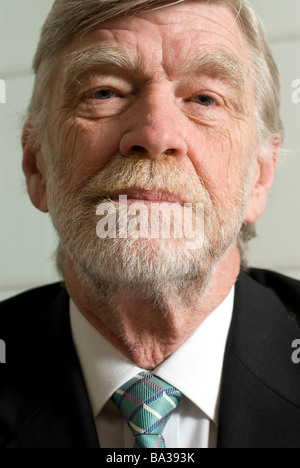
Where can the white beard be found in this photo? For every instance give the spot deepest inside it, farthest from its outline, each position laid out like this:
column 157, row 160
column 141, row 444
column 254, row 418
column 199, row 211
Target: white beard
column 152, row 268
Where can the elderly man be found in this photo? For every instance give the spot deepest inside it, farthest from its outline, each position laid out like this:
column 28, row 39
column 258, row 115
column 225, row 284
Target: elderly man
column 148, row 116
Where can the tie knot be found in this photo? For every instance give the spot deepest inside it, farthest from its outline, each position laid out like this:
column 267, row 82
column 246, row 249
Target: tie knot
column 147, row 403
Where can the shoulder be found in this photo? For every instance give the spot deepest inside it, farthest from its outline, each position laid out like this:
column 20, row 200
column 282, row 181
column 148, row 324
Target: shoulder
column 41, row 384
column 286, row 290
column 31, row 300
column 27, row 318
column 28, row 297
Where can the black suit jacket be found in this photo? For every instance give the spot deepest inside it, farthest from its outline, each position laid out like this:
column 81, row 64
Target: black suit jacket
column 43, row 400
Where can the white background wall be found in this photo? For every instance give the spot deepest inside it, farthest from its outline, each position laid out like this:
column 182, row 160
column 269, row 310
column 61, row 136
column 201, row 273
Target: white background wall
column 278, row 244
column 27, row 239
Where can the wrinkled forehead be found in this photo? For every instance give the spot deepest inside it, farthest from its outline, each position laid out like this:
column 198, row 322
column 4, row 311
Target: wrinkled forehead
column 173, row 31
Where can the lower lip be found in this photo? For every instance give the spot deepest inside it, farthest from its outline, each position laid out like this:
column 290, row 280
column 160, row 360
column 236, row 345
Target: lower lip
column 148, row 202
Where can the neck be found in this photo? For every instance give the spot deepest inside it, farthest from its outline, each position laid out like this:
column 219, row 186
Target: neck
column 146, row 331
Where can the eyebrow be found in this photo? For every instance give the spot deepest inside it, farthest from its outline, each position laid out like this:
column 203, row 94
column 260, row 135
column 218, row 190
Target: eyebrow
column 102, row 56
column 222, row 65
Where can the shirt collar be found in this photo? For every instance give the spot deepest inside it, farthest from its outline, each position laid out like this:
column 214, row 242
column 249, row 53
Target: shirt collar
column 195, row 368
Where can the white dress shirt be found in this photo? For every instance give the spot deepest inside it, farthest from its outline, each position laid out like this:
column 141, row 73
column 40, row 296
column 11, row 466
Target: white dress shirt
column 195, row 369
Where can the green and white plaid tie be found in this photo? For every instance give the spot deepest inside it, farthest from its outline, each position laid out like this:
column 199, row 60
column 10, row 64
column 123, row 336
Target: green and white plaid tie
column 147, row 403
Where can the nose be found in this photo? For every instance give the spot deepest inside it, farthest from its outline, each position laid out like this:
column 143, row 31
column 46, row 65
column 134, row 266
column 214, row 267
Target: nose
column 154, row 128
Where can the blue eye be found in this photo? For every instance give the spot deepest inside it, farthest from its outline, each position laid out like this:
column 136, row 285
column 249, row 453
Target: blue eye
column 104, row 94
column 204, row 100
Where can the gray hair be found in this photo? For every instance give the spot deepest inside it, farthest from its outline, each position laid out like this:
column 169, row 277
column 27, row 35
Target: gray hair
column 72, row 18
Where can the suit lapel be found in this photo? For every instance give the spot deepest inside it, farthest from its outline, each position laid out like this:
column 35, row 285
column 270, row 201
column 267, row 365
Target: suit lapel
column 260, row 394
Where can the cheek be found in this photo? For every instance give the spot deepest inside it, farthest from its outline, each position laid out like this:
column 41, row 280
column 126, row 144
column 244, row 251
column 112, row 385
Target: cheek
column 221, row 158
column 83, row 148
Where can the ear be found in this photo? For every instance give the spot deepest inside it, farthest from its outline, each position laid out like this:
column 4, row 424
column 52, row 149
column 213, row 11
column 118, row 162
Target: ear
column 263, row 180
column 35, row 171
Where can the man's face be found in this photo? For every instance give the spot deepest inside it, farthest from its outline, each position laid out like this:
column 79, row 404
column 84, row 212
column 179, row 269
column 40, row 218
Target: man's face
column 160, row 101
